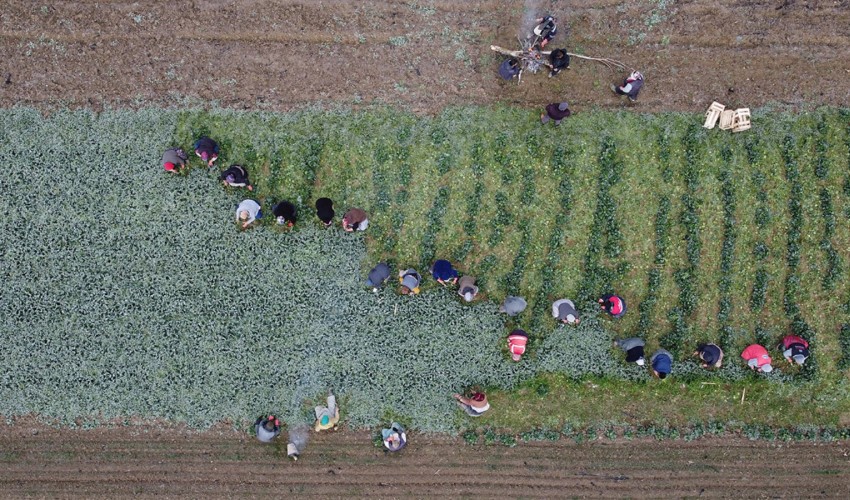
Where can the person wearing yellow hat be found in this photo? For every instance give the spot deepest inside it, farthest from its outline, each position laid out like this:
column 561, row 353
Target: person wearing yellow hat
column 327, row 416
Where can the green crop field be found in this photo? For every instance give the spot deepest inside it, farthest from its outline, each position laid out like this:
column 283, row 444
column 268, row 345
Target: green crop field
column 131, row 292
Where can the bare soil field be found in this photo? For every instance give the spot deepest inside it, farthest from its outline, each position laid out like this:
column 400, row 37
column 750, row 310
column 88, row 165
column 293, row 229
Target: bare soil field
column 147, row 462
column 423, row 55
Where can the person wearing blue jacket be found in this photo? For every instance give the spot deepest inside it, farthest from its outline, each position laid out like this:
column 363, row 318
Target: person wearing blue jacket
column 443, row 272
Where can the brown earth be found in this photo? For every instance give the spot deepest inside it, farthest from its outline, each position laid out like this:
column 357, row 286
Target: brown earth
column 147, row 462
column 424, row 55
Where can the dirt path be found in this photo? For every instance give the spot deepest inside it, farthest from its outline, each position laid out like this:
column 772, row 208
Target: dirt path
column 265, row 54
column 153, row 462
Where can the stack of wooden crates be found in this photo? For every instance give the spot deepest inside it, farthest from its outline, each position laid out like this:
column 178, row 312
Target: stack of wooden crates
column 737, row 120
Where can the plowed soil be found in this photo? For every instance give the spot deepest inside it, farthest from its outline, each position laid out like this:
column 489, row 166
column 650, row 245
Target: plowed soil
column 423, row 55
column 147, row 462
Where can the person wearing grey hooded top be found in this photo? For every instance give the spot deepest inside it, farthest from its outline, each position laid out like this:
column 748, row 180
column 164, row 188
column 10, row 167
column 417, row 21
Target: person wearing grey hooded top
column 513, row 305
column 378, row 275
column 267, row 428
column 634, row 349
column 565, row 311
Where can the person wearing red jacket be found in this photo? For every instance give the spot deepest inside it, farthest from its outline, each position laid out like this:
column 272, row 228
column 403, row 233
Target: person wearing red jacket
column 757, row 358
column 516, row 343
column 795, row 349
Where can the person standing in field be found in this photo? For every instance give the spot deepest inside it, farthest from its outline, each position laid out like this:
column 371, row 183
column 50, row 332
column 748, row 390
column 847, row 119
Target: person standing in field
column 443, row 272
column 207, row 150
column 710, row 354
column 661, row 363
column 631, row 86
column 409, row 280
column 757, row 358
column 174, row 160
column 394, row 438
column 475, row 405
column 795, row 349
column 247, row 212
column 613, row 305
column 633, row 348
column 378, row 276
column 517, row 341
column 545, row 30
column 555, row 111
column 327, row 416
column 236, row 176
column 267, row 428
column 285, row 213
column 467, row 289
column 513, row 305
column 325, row 211
column 565, row 311
column 355, row 219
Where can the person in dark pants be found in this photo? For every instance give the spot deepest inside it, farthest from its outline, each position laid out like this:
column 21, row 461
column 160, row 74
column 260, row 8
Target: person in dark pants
column 710, row 354
column 378, row 276
column 443, row 272
column 207, row 149
column 795, row 349
column 509, row 69
column 285, row 213
column 613, row 305
column 633, row 348
column 325, row 211
column 236, row 176
column 545, row 30
column 559, row 60
column 555, row 111
column 631, row 86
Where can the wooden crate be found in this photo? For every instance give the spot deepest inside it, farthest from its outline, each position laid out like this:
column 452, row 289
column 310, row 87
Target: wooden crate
column 713, row 114
column 741, row 120
column 726, row 119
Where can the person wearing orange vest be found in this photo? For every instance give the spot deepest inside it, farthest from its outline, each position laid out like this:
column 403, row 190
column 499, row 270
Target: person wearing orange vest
column 516, row 343
column 795, row 349
column 757, row 358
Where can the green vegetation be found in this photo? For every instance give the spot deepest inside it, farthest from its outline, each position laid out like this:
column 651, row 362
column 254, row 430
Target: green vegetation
column 144, row 298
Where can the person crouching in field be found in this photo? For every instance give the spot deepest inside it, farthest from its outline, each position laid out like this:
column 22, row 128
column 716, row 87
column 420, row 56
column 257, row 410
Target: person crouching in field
column 661, row 363
column 325, row 211
column 710, row 354
column 795, row 349
column 174, row 160
column 466, row 288
column 513, row 305
column 475, row 405
column 631, row 86
column 559, row 60
column 443, row 272
column 247, row 212
column 555, row 111
column 236, row 176
column 284, row 213
column 613, row 305
column 378, row 276
column 207, row 150
column 757, row 358
column 355, row 219
column 565, row 311
column 633, row 348
column 267, row 428
column 327, row 416
column 517, row 341
column 394, row 438
column 409, row 280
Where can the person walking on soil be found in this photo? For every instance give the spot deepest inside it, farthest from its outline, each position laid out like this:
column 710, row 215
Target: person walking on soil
column 565, row 311
column 327, row 416
column 285, row 213
column 378, row 276
column 559, row 60
column 661, row 363
column 267, row 428
column 631, row 86
column 555, row 111
column 466, row 288
column 236, row 176
column 757, row 358
column 795, row 349
column 633, row 348
column 247, row 212
column 475, row 405
column 513, row 305
column 710, row 354
column 517, row 341
column 613, row 305
column 443, row 272
column 325, row 211
column 355, row 219
column 207, row 150
column 394, row 438
column 409, row 280
column 174, row 160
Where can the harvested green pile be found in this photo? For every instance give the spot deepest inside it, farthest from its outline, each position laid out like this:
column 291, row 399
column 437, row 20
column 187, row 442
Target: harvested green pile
column 127, row 291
